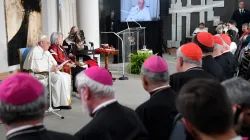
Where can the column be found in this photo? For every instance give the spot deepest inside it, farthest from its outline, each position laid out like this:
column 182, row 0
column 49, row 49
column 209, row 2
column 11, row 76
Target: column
column 88, row 20
column 50, row 16
column 3, row 41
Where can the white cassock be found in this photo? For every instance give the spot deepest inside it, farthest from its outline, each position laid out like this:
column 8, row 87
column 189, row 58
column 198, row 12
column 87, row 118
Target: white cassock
column 38, row 61
column 136, row 14
column 198, row 30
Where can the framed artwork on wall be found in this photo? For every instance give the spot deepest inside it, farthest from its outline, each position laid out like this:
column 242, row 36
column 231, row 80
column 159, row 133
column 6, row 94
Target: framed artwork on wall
column 23, row 26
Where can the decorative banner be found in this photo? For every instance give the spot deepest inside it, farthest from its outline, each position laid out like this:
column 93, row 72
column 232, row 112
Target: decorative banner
column 24, row 26
column 178, row 11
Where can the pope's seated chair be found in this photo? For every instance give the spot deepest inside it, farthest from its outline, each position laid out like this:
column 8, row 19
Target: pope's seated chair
column 23, row 52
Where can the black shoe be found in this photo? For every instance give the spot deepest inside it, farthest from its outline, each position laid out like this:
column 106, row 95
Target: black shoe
column 56, row 107
column 65, row 107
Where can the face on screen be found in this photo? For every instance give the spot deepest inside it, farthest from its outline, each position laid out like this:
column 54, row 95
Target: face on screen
column 141, row 4
column 140, row 10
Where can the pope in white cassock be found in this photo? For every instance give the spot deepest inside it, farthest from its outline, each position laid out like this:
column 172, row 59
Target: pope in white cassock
column 38, row 61
column 139, row 12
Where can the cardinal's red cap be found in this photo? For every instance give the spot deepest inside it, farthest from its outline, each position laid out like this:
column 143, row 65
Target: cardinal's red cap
column 205, row 41
column 100, row 75
column 20, row 89
column 217, row 40
column 156, row 64
column 192, row 51
column 226, row 39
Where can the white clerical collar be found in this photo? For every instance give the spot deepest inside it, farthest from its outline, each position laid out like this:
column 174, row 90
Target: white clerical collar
column 167, row 86
column 104, row 105
column 237, row 138
column 40, row 48
column 21, row 128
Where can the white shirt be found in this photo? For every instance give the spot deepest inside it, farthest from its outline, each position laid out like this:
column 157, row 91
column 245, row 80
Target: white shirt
column 14, row 130
column 38, row 60
column 198, row 30
column 136, row 14
column 237, row 138
column 233, row 47
column 167, row 86
column 104, row 105
column 242, row 10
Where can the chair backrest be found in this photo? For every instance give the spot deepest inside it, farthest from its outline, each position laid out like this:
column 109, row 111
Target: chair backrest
column 23, row 52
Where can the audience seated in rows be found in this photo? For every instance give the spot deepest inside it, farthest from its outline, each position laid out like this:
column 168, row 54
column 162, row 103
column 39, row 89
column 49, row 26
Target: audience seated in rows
column 188, row 66
column 223, row 56
column 206, row 42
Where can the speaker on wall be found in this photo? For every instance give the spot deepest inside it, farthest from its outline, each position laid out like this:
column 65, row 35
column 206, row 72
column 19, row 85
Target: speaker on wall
column 164, row 8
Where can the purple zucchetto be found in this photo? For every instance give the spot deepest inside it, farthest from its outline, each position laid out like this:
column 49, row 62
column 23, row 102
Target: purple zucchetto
column 20, row 89
column 100, row 75
column 156, row 64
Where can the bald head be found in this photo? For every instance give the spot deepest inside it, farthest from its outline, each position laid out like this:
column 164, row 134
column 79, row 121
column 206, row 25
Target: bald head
column 241, row 5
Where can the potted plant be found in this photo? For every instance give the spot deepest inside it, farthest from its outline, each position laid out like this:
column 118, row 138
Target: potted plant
column 136, row 61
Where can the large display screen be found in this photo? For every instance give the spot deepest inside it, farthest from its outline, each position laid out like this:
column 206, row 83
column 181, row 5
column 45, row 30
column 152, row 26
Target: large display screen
column 140, row 10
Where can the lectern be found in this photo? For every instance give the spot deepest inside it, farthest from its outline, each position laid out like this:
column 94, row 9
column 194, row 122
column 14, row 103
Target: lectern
column 133, row 40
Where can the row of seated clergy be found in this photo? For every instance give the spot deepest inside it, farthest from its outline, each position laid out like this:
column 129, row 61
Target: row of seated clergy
column 39, row 60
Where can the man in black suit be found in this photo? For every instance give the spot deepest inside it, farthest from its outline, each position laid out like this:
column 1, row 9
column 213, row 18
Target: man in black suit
column 189, row 62
column 206, row 42
column 241, row 16
column 206, row 110
column 157, row 114
column 111, row 121
column 111, row 26
column 223, row 55
column 22, row 108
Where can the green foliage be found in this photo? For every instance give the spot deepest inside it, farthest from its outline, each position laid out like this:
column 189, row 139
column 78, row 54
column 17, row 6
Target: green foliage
column 136, row 61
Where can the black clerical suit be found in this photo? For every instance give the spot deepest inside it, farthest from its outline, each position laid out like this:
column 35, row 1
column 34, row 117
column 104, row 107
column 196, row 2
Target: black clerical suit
column 210, row 66
column 114, row 122
column 38, row 133
column 228, row 63
column 241, row 17
column 178, row 80
column 158, row 113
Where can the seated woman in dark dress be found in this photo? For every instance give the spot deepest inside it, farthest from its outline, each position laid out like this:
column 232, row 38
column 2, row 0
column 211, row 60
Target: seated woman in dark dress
column 78, row 47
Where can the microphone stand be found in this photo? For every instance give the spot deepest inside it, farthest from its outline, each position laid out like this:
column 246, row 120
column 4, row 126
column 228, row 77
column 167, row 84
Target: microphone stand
column 50, row 109
column 123, row 55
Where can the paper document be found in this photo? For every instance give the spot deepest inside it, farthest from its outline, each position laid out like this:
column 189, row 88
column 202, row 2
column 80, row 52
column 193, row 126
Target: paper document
column 65, row 62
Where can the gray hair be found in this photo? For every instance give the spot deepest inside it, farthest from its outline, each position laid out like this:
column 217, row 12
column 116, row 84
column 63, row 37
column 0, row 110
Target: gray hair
column 71, row 30
column 238, row 90
column 54, row 37
column 186, row 60
column 246, row 25
column 218, row 47
column 153, row 77
column 220, row 28
column 97, row 89
column 11, row 114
